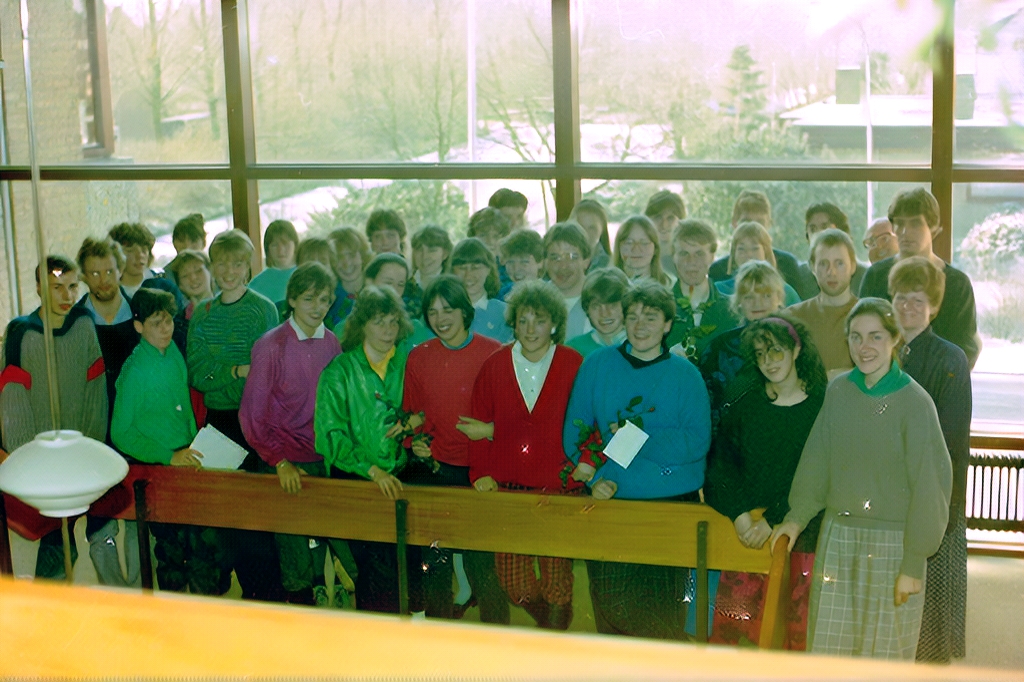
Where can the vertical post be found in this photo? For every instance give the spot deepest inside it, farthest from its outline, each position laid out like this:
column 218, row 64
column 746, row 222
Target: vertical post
column 702, row 604
column 6, row 563
column 943, row 130
column 65, row 536
column 241, row 130
column 565, row 54
column 471, row 93
column 99, row 69
column 401, row 506
column 142, row 519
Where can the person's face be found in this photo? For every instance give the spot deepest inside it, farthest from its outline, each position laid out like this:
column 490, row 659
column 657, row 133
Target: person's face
column 474, row 276
column 533, row 331
column 386, row 241
column 566, row 266
column 692, row 261
column 637, row 252
column 428, row 259
column 231, row 272
column 665, row 223
column 445, row 321
column 913, row 311
column 645, row 328
column 870, row 345
column 817, row 223
column 194, row 280
column 63, row 292
column 157, row 330
column 102, row 277
column 381, row 332
column 183, row 245
column 136, row 259
column 833, row 269
column 607, row 318
column 491, row 239
column 310, row 308
column 282, row 252
column 880, row 241
column 522, row 267
column 775, row 361
column 591, row 225
column 393, row 276
column 350, row 265
column 747, row 250
column 516, row 216
column 759, row 303
column 762, row 219
column 913, row 235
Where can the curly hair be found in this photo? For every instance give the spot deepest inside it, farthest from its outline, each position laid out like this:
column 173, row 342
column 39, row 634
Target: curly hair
column 779, row 329
column 538, row 296
column 371, row 303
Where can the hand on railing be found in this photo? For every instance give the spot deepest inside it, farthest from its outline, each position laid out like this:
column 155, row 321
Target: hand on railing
column 290, row 476
column 604, row 489
column 789, row 529
column 187, row 457
column 485, row 484
column 388, row 484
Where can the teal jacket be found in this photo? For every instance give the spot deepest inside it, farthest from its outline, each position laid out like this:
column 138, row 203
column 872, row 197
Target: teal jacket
column 353, row 412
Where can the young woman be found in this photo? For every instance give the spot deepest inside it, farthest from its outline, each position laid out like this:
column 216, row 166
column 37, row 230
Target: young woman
column 916, row 286
column 356, row 399
column 280, row 243
column 638, row 251
column 520, row 397
column 474, row 264
column 876, row 462
column 751, row 241
column 192, row 272
column 755, row 456
column 591, row 216
column 352, row 255
column 603, row 290
column 641, row 382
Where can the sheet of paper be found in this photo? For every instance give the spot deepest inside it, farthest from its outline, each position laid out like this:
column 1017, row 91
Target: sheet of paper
column 624, row 445
column 219, row 451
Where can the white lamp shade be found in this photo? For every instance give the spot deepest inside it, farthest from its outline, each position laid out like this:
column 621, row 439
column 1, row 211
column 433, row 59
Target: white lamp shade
column 61, row 473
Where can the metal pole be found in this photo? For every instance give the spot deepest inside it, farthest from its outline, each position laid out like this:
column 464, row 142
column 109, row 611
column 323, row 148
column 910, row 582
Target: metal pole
column 142, row 520
column 43, row 272
column 403, row 568
column 702, row 602
column 10, row 247
column 65, row 536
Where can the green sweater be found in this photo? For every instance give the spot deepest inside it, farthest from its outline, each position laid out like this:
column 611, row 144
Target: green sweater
column 152, row 413
column 351, row 420
column 221, row 336
column 878, row 460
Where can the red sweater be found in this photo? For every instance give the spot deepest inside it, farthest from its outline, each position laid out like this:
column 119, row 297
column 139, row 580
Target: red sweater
column 527, row 447
column 439, row 383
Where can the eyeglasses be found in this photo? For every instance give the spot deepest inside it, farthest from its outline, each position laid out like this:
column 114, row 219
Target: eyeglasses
column 904, row 301
column 558, row 258
column 642, row 244
column 872, row 242
column 774, row 354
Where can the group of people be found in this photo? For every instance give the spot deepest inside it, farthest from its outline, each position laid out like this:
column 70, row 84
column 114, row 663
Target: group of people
column 507, row 362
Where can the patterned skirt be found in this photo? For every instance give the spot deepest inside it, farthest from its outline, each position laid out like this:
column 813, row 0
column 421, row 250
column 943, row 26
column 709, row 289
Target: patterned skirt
column 943, row 629
column 852, row 611
column 638, row 600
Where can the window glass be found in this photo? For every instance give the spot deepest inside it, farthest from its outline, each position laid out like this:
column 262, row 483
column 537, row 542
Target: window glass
column 742, row 80
column 394, row 81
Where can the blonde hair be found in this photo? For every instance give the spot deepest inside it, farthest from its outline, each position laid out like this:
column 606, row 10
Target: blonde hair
column 756, row 232
column 757, row 276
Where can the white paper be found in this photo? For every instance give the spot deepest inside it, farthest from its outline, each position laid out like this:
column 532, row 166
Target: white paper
column 624, row 445
column 219, row 451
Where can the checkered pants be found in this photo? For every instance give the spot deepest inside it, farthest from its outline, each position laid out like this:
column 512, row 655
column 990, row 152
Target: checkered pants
column 534, row 578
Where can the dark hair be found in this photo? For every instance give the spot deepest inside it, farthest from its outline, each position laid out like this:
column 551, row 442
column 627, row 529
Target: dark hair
column 664, row 199
column 834, row 213
column 371, row 302
column 276, row 230
column 569, row 233
column 603, row 285
column 190, row 228
column 538, row 296
column 523, row 243
column 56, row 263
column 697, row 231
column 133, row 234
column 650, row 294
column 486, row 219
column 189, row 256
column 147, row 302
column 382, row 259
column 883, row 310
column 317, row 249
column 833, row 237
column 385, row 219
column 752, row 201
column 100, row 248
column 311, row 275
column 594, row 208
column 912, row 202
column 452, row 291
column 508, row 198
column 434, row 237
column 775, row 329
column 473, row 251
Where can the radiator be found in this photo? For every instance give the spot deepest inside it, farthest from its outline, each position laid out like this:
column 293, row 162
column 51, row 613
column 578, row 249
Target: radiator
column 995, row 490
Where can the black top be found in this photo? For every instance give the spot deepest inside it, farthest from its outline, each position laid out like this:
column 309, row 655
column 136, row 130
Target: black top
column 957, row 320
column 941, row 369
column 785, row 263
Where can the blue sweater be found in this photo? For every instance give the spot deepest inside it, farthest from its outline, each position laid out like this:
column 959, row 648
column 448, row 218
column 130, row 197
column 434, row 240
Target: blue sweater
column 676, row 416
column 491, row 322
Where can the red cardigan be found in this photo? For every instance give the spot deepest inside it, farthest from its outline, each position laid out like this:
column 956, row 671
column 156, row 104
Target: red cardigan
column 527, row 447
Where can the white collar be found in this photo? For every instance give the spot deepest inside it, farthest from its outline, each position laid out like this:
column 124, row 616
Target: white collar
column 482, row 303
column 318, row 334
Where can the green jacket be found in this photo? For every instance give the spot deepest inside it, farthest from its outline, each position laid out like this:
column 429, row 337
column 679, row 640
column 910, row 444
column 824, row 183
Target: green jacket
column 351, row 420
column 716, row 318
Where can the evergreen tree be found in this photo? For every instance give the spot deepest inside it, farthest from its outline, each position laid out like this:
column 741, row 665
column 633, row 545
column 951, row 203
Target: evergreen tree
column 746, row 92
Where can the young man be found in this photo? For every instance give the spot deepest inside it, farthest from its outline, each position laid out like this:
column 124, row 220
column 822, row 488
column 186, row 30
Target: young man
column 24, row 389
column 666, row 209
column 137, row 243
column 522, row 255
column 386, row 231
column 880, row 241
column 513, row 204
column 702, row 312
column 220, row 340
column 567, row 258
column 833, row 260
column 752, row 205
column 818, row 218
column 915, row 216
column 189, row 233
column 276, row 416
column 603, row 291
